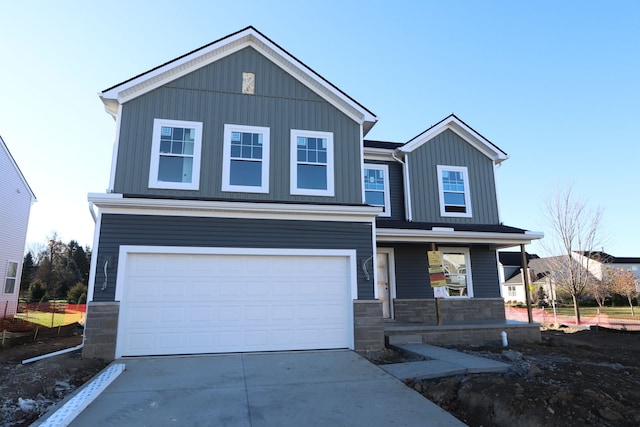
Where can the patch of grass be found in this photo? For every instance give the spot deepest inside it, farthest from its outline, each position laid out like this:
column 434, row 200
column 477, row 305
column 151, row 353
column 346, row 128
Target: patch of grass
column 612, row 312
column 52, row 320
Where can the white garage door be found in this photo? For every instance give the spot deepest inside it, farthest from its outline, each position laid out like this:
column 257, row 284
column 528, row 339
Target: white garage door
column 185, row 304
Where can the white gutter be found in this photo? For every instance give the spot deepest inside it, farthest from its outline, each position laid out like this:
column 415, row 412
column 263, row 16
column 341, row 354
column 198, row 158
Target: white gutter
column 93, row 214
column 55, row 353
column 406, row 185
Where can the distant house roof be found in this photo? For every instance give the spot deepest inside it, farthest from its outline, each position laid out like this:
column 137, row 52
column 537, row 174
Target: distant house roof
column 211, row 52
column 4, row 147
column 514, row 258
column 606, row 258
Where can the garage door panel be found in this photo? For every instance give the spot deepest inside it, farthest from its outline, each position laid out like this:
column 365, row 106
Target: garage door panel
column 181, row 304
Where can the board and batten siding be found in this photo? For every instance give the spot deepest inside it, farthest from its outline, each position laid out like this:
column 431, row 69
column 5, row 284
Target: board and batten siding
column 412, row 272
column 213, row 95
column 449, row 149
column 396, row 188
column 14, row 212
column 152, row 230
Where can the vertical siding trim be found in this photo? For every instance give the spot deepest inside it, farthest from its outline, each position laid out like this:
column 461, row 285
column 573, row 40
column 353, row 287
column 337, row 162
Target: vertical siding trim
column 407, row 191
column 114, row 154
column 94, row 257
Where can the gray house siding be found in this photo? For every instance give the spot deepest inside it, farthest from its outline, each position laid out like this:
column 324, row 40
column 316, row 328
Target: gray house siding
column 151, row 230
column 449, row 149
column 412, row 274
column 212, row 95
column 484, row 272
column 396, row 188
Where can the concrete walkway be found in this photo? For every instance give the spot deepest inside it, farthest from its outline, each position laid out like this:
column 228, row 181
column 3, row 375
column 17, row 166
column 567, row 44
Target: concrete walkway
column 441, row 363
column 305, row 388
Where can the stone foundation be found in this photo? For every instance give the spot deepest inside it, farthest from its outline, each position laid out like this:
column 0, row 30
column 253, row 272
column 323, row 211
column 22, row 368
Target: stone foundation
column 451, row 310
column 101, row 329
column 368, row 325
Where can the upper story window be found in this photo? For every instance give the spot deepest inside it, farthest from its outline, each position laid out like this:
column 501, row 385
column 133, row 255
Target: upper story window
column 376, row 187
column 453, row 185
column 311, row 163
column 245, row 164
column 10, row 278
column 175, row 155
column 456, row 263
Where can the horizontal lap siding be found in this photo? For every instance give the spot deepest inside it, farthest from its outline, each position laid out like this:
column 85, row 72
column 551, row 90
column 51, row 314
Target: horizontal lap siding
column 450, row 149
column 149, row 230
column 411, row 271
column 212, row 95
column 484, row 271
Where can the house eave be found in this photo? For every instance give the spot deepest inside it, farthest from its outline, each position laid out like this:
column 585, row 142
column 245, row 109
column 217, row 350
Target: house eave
column 497, row 240
column 116, row 203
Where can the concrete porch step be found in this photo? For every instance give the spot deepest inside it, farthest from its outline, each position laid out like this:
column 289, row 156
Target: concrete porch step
column 398, row 339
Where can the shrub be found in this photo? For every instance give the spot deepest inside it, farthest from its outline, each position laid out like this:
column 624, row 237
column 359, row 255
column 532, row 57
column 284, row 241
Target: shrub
column 77, row 293
column 37, row 292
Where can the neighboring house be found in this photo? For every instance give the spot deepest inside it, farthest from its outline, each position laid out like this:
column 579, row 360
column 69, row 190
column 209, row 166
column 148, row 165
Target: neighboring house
column 246, row 212
column 16, row 198
column 512, row 286
column 600, row 261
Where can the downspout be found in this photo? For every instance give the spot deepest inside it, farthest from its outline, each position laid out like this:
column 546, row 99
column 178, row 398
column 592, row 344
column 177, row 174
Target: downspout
column 407, row 186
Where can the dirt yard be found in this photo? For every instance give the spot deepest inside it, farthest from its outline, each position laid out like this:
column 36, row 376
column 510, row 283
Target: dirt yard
column 27, row 391
column 570, row 379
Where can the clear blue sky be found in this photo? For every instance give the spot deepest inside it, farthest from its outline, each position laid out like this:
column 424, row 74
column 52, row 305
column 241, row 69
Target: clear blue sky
column 555, row 84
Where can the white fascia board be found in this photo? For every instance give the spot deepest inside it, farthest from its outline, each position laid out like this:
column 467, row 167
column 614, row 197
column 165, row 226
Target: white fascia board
column 379, row 154
column 224, row 47
column 116, row 204
column 404, row 235
column 462, row 130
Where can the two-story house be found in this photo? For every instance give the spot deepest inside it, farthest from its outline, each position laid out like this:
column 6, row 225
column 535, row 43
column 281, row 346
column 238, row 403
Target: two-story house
column 247, row 212
column 16, row 199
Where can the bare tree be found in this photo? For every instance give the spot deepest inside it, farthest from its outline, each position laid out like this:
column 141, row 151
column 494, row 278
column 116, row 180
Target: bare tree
column 623, row 282
column 575, row 233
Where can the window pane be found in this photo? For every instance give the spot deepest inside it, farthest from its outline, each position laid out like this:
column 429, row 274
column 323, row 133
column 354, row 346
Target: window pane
column 12, row 269
column 454, row 199
column 235, row 151
column 302, row 155
column 178, row 134
column 375, row 198
column 175, row 169
column 188, row 148
column 322, row 157
column 455, row 269
column 312, row 157
column 246, row 173
column 257, row 153
column 313, row 177
column 176, row 148
column 246, row 152
column 165, row 146
column 9, row 286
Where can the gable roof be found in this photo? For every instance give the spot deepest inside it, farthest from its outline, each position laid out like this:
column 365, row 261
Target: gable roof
column 466, row 132
column 511, row 258
column 209, row 53
column 4, row 147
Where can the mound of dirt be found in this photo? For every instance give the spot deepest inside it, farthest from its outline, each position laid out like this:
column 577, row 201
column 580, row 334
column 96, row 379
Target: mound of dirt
column 583, row 377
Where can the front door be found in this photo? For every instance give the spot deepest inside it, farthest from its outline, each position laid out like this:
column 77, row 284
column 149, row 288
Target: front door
column 383, row 285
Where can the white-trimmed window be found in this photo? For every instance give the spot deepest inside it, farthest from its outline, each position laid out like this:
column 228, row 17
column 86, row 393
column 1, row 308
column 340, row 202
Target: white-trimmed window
column 245, row 164
column 511, row 291
column 175, row 155
column 456, row 263
column 11, row 277
column 453, row 186
column 376, row 187
column 312, row 163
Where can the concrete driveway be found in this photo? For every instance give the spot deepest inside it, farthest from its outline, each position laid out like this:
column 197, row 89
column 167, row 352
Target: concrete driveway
column 306, row 388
